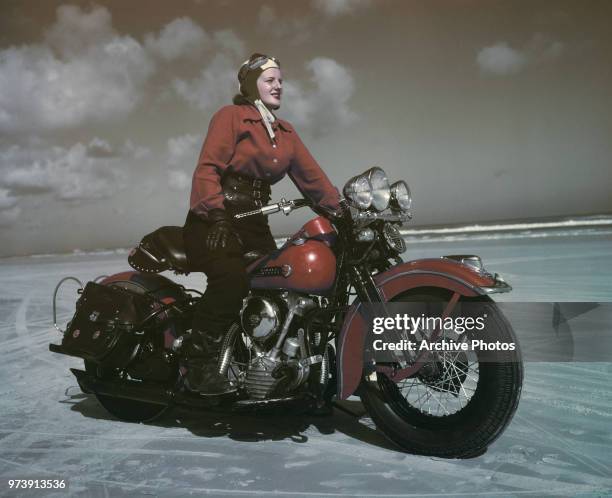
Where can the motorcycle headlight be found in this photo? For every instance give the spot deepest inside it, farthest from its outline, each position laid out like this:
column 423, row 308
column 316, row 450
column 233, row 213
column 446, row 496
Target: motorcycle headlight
column 401, row 199
column 380, row 188
column 358, row 191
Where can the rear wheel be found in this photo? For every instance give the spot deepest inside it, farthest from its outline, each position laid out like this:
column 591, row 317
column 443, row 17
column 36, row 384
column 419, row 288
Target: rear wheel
column 128, row 410
column 458, row 403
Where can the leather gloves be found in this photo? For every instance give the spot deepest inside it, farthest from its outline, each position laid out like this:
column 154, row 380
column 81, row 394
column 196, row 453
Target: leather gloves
column 221, row 232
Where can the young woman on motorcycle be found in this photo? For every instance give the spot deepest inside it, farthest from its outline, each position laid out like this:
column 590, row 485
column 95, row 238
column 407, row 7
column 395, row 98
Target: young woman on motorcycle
column 246, row 150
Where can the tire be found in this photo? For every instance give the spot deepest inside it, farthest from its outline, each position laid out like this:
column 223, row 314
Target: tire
column 463, row 429
column 126, row 409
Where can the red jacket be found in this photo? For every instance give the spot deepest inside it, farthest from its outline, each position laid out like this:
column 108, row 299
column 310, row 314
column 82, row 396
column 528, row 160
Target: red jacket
column 237, row 137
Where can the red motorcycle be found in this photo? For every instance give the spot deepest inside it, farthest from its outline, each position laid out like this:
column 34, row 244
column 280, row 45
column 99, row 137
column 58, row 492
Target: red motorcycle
column 302, row 334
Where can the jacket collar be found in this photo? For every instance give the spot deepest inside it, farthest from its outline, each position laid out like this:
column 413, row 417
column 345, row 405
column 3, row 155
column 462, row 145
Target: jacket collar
column 250, row 113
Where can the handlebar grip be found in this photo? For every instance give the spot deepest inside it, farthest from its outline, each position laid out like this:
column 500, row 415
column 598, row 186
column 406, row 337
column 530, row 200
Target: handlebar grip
column 298, row 203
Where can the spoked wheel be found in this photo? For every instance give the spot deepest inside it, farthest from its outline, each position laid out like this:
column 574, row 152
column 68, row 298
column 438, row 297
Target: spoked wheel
column 128, row 410
column 459, row 402
column 445, row 384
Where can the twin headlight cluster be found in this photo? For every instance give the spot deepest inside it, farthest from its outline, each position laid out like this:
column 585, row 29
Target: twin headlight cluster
column 372, row 190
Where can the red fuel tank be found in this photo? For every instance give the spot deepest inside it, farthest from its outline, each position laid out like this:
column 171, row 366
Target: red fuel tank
column 304, row 264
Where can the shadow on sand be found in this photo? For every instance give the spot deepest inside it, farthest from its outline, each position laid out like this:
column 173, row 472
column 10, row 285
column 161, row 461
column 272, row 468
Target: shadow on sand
column 347, row 417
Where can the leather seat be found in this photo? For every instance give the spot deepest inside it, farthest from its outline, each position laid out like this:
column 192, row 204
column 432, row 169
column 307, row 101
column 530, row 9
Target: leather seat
column 164, row 249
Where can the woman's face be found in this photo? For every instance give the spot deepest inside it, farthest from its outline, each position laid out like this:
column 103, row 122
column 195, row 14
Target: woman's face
column 270, row 87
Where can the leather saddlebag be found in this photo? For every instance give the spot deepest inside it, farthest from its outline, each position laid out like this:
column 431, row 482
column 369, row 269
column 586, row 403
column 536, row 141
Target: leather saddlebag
column 104, row 328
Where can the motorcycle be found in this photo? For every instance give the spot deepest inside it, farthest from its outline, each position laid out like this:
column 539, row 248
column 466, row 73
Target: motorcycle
column 300, row 339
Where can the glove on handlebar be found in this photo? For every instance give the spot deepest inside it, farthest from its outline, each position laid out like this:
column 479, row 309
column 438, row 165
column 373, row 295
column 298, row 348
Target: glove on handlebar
column 221, row 231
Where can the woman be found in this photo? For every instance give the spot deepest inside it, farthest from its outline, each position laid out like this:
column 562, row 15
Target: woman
column 246, row 150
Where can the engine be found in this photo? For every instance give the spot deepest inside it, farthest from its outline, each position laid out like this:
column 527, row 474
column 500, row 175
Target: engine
column 261, row 317
column 279, row 361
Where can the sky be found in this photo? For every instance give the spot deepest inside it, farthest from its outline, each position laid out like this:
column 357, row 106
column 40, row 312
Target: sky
column 490, row 110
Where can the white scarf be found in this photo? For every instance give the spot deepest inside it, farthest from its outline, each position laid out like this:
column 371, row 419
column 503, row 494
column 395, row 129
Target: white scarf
column 267, row 117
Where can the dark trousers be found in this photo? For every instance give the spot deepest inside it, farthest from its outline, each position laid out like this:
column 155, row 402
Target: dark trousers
column 228, row 282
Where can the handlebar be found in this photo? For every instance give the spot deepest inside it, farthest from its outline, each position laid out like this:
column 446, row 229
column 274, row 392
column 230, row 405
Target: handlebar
column 283, row 205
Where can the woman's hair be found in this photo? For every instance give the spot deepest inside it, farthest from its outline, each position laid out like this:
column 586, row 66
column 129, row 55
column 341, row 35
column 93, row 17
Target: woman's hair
column 240, row 99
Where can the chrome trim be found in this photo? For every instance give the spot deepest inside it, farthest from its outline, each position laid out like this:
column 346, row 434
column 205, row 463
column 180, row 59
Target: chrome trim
column 296, row 306
column 149, row 254
column 367, row 216
column 365, row 235
column 499, row 287
column 394, row 202
column 287, row 270
column 471, row 260
column 475, row 262
column 267, row 314
column 393, row 238
column 384, row 189
column 350, row 192
column 80, row 290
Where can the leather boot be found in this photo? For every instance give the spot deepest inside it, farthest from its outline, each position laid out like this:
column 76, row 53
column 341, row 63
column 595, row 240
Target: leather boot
column 203, row 375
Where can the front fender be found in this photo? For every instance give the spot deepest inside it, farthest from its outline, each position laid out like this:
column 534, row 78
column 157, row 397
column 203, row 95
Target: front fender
column 443, row 273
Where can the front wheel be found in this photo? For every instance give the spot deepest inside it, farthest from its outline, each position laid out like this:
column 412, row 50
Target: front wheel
column 458, row 403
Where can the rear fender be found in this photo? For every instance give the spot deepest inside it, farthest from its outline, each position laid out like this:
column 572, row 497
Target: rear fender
column 442, row 273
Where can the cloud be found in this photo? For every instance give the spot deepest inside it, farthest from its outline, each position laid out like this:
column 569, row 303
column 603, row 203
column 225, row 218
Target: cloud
column 9, row 211
column 227, row 41
column 501, row 60
column 75, row 28
column 333, row 8
column 178, row 180
column 214, row 86
column 179, row 38
column 183, row 151
column 98, row 147
column 542, row 48
column 130, row 150
column 85, row 72
column 324, row 105
column 7, row 200
column 75, row 174
column 295, row 30
column 182, row 155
